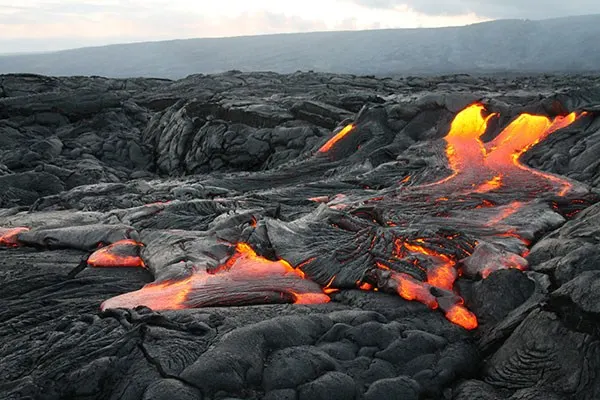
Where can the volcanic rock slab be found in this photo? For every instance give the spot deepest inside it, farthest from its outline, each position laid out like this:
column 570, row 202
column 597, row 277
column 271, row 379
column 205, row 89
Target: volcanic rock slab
column 438, row 240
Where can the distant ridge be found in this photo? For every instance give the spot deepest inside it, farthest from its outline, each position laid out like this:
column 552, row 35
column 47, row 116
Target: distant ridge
column 567, row 44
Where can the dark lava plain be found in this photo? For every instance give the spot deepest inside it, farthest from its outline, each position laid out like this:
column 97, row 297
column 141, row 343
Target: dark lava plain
column 190, row 167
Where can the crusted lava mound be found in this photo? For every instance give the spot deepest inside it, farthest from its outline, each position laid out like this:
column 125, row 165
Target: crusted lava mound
column 304, row 236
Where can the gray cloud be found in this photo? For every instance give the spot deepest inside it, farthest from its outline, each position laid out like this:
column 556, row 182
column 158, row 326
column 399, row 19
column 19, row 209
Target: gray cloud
column 533, row 9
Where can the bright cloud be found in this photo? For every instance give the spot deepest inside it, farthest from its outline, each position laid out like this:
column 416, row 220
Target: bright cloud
column 36, row 25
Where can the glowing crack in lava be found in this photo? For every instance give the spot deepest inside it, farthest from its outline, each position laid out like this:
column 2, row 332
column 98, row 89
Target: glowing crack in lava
column 478, row 170
column 336, row 138
column 8, row 236
column 124, row 253
column 245, row 278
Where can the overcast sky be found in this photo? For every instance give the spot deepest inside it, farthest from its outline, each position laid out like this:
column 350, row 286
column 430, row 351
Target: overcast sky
column 39, row 25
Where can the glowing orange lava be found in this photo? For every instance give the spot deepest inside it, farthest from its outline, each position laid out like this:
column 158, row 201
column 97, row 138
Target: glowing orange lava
column 8, row 236
column 244, row 275
column 464, row 148
column 480, row 168
column 505, row 212
column 521, row 135
column 492, row 184
column 477, row 168
column 327, row 146
column 461, row 316
column 443, row 273
column 123, row 253
column 512, row 261
column 411, row 289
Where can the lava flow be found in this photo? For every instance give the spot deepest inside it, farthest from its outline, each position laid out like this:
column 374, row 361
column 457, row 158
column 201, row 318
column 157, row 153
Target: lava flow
column 495, row 165
column 331, row 142
column 124, row 253
column 478, row 168
column 8, row 236
column 477, row 232
column 245, row 278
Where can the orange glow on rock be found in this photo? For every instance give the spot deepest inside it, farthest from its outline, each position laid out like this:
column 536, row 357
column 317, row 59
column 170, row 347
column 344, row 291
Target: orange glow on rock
column 511, row 261
column 327, row 146
column 243, row 269
column 319, row 199
column 505, row 212
column 442, row 276
column 310, row 298
column 123, row 253
column 411, row 289
column 492, row 184
column 8, row 236
column 459, row 315
column 443, row 273
column 328, row 289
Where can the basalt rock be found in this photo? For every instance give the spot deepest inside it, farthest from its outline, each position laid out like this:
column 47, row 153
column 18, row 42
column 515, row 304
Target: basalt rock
column 438, row 241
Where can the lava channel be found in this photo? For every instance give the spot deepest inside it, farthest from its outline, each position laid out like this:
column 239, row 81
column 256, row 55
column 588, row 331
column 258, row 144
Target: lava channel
column 478, row 167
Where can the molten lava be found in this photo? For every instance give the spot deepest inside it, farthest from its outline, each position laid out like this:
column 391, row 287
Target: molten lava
column 124, row 253
column 327, row 146
column 442, row 273
column 492, row 184
column 9, row 236
column 477, row 169
column 493, row 165
column 245, row 278
column 505, row 212
column 464, row 148
column 478, row 248
column 411, row 289
column 461, row 316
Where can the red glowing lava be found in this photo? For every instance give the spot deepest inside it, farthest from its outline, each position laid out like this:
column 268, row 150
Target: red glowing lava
column 459, row 315
column 442, row 273
column 8, row 236
column 411, row 289
column 245, row 278
column 327, row 146
column 123, row 253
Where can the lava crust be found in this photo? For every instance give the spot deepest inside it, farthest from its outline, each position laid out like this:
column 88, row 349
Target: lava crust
column 303, row 236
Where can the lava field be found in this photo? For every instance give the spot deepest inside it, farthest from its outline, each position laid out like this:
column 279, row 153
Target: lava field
column 302, row 236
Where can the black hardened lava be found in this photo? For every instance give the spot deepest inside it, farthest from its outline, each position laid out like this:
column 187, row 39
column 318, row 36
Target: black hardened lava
column 302, row 236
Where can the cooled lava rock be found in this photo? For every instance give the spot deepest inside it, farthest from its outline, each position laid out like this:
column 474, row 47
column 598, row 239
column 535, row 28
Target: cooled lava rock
column 303, row 236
